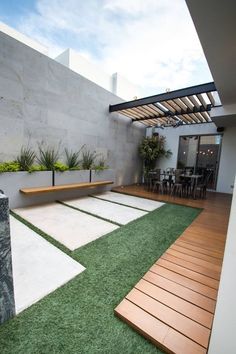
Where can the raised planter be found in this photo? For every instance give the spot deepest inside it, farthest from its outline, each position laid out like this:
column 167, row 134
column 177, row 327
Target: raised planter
column 68, row 177
column 105, row 175
column 12, row 182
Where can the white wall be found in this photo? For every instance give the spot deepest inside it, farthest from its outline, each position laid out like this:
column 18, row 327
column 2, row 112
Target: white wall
column 227, row 168
column 124, row 88
column 224, row 325
column 22, row 38
column 84, row 67
column 114, row 83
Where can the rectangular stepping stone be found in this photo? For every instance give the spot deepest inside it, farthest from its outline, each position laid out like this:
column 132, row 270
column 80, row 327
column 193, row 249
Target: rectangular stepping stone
column 70, row 227
column 117, row 213
column 38, row 267
column 132, row 201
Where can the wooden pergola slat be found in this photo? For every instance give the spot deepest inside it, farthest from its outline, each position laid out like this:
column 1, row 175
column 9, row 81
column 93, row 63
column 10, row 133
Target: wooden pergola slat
column 186, row 106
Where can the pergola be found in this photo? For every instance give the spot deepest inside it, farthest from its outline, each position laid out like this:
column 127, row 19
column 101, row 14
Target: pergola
column 185, row 106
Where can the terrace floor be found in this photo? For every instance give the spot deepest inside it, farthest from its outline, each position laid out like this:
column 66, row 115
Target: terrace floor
column 173, row 304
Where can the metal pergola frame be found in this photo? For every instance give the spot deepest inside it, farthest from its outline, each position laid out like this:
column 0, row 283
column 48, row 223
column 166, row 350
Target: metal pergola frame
column 185, row 106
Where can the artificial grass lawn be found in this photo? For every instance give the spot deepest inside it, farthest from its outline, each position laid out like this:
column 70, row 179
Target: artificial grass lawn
column 79, row 317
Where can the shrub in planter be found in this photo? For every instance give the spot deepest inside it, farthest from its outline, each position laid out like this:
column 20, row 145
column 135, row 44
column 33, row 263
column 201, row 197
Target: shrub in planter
column 48, row 156
column 88, row 159
column 59, row 166
column 10, row 166
column 72, row 158
column 37, row 168
column 100, row 165
column 26, row 158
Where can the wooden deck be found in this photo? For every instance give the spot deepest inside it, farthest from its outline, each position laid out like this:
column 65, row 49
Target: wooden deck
column 173, row 304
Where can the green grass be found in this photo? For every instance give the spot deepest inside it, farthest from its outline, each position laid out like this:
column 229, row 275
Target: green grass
column 79, row 317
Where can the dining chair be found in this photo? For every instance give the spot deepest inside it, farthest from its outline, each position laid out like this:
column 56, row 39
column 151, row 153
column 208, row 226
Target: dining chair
column 177, row 187
column 158, row 184
column 202, row 186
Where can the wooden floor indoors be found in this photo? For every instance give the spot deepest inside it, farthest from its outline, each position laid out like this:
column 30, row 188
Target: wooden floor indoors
column 173, row 304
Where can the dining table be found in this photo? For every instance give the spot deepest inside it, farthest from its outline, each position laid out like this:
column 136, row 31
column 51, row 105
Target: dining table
column 194, row 182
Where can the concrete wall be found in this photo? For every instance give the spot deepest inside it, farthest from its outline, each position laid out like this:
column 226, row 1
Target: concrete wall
column 223, row 330
column 227, row 168
column 41, row 99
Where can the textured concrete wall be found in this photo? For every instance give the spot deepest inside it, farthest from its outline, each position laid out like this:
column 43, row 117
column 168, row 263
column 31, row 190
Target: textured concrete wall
column 7, row 304
column 41, row 99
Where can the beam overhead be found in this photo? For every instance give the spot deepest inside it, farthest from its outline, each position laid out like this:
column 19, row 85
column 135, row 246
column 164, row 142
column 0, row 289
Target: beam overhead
column 184, row 106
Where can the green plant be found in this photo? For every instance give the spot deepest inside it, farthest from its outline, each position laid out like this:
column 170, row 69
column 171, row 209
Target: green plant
column 152, row 148
column 26, row 158
column 72, row 158
column 59, row 166
column 100, row 165
column 9, row 166
column 88, row 159
column 36, row 168
column 48, row 156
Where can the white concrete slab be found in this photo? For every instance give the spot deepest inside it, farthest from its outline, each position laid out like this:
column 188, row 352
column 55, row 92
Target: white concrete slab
column 38, row 267
column 70, row 227
column 110, row 211
column 135, row 202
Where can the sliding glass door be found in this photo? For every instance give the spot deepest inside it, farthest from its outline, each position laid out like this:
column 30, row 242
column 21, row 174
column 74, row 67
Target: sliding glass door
column 201, row 155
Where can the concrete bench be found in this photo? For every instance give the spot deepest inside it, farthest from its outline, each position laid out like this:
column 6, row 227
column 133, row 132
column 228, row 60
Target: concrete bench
column 63, row 187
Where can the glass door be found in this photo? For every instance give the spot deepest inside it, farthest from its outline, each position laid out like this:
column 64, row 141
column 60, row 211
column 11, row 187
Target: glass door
column 187, row 157
column 209, row 157
column 200, row 154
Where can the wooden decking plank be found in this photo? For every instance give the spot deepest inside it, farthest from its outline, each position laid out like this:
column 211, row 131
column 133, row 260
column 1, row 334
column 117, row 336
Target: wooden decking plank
column 199, row 243
column 209, row 243
column 194, row 267
column 176, row 303
column 200, row 278
column 185, row 279
column 196, row 254
column 206, row 238
column 182, row 280
column 218, row 255
column 181, row 291
column 156, row 331
column 180, row 323
column 195, row 260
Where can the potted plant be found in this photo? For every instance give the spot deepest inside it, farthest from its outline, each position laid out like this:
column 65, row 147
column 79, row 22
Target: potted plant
column 150, row 149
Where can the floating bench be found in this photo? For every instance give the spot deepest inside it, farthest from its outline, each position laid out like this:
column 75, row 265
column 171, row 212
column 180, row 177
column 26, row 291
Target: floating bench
column 63, row 187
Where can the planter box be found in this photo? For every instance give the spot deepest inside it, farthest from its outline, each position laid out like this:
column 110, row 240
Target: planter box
column 12, row 182
column 68, row 177
column 105, row 175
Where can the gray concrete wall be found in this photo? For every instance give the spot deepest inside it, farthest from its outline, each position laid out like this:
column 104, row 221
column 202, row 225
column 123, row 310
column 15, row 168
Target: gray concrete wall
column 41, row 99
column 227, row 167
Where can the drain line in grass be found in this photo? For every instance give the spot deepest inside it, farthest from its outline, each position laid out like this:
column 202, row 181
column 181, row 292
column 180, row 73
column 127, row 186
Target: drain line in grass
column 113, row 202
column 88, row 213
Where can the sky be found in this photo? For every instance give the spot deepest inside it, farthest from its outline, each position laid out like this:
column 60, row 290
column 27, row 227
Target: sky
column 152, row 43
